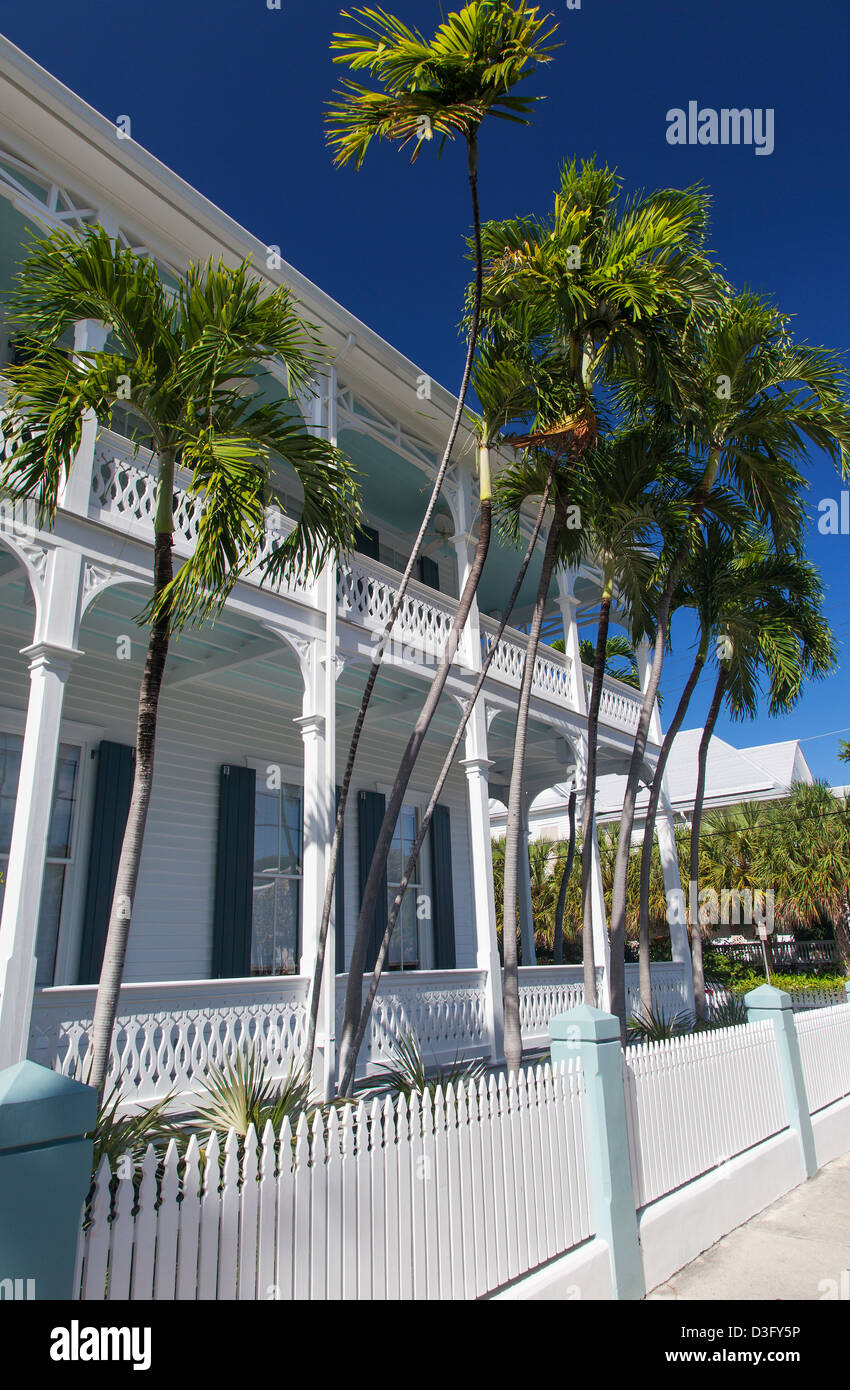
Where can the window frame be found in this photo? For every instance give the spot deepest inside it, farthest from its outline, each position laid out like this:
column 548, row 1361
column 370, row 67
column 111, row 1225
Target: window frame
column 293, row 776
column 86, row 737
column 419, row 801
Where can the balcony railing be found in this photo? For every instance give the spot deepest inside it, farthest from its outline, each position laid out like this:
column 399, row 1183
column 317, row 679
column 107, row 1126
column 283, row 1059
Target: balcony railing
column 620, row 705
column 123, row 496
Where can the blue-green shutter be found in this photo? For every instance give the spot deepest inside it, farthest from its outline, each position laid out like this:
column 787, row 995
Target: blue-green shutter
column 372, row 806
column 429, row 572
column 113, row 787
column 442, row 891
column 339, row 901
column 367, row 542
column 234, row 873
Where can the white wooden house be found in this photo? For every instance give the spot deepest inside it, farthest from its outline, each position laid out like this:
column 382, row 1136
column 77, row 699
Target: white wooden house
column 255, row 705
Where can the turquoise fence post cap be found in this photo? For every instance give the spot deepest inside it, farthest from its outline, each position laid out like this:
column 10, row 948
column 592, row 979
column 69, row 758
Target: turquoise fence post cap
column 767, row 997
column 584, row 1024
column 40, row 1106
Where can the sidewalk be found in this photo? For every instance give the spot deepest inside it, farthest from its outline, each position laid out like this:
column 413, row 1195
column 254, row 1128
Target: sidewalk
column 794, row 1249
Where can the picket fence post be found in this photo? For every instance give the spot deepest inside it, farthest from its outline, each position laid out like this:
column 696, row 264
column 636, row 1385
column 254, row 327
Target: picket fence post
column 594, row 1038
column 768, row 1002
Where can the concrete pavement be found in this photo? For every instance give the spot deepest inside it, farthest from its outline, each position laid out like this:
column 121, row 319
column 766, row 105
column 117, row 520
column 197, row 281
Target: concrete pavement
column 798, row 1248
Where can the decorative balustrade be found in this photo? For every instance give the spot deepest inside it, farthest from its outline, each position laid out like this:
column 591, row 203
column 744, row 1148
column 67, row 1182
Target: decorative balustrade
column 444, row 1009
column 123, row 493
column 620, row 705
column 553, row 671
column 169, row 1034
column 366, row 592
column 544, row 991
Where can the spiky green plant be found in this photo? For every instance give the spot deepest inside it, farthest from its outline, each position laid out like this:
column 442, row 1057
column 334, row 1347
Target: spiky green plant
column 406, row 1074
column 116, row 1134
column 654, row 1025
column 241, row 1094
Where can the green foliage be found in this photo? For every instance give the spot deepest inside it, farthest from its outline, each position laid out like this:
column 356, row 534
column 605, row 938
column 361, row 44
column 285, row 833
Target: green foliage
column 655, row 1025
column 406, row 1074
column 729, row 1013
column 190, row 359
column 116, row 1134
column 446, row 85
column 242, row 1094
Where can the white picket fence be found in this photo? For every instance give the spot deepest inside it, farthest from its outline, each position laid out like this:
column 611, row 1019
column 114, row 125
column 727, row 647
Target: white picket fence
column 825, row 1053
column 450, row 1199
column 693, row 1102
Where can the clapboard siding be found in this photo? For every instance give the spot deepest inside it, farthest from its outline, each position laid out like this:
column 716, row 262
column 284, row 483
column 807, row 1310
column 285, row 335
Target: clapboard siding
column 201, row 728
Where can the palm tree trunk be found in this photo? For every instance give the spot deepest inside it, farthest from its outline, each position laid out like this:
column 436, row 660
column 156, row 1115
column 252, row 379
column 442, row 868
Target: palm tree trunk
column 513, row 1036
column 123, row 898
column 345, row 786
column 588, row 817
column 558, row 940
column 448, row 764
column 649, row 829
column 627, row 816
column 374, row 879
column 696, row 929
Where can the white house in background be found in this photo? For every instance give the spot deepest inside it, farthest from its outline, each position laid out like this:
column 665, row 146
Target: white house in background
column 762, row 773
column 254, row 708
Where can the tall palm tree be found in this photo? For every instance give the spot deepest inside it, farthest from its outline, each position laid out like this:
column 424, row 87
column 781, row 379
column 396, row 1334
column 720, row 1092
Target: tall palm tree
column 804, row 852
column 777, row 629
column 629, row 500
column 748, row 403
column 447, row 86
column 187, row 355
column 613, row 276
column 505, row 383
column 448, row 764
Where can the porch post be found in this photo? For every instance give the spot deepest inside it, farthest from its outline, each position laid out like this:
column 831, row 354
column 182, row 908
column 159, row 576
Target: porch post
column 477, row 765
column 676, row 919
column 568, row 604
column 526, row 911
column 50, row 658
column 599, row 917
column 89, row 336
column 643, row 652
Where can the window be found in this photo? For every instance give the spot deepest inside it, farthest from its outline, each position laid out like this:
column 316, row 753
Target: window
column 277, row 879
column 60, row 841
column 405, row 947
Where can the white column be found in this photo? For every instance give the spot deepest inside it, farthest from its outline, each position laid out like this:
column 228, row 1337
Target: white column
column 526, row 912
column 477, row 766
column 643, row 652
column 676, row 919
column 568, row 604
column 598, row 913
column 74, row 494
column 50, row 658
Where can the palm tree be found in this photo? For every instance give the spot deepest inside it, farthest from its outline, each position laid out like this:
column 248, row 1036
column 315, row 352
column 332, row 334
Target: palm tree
column 748, row 402
column 776, row 627
column 505, row 383
column 612, row 277
column 448, row 764
column 447, row 85
column 628, row 502
column 805, row 853
column 187, row 355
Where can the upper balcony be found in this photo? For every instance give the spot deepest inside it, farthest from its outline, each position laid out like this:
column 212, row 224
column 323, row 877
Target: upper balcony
column 123, row 498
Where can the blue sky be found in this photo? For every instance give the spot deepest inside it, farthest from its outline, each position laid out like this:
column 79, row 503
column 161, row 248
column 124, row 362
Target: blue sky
column 231, row 94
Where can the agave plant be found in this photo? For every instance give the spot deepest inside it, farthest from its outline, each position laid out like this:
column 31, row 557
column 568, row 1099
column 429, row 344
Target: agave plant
column 242, row 1094
column 406, row 1074
column 115, row 1134
column 654, row 1025
column 728, row 1012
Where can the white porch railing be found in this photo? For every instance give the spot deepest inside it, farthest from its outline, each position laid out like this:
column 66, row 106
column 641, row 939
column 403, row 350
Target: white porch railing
column 169, row 1034
column 553, row 671
column 544, row 991
column 366, row 592
column 445, row 1009
column 123, row 493
column 619, row 705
